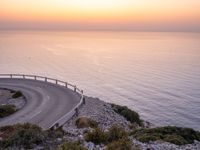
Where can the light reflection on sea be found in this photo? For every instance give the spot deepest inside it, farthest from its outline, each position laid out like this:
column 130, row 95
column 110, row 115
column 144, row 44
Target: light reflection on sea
column 156, row 74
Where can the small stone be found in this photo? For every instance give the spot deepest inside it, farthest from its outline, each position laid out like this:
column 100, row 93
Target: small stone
column 90, row 146
column 59, row 140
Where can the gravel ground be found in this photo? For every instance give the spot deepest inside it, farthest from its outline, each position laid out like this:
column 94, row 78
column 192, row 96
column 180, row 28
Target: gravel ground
column 99, row 111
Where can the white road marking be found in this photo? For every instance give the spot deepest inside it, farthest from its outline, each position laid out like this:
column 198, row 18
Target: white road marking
column 44, row 95
column 37, row 113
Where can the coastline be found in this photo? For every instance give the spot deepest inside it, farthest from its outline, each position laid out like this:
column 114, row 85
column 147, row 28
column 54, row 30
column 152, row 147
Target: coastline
column 106, row 117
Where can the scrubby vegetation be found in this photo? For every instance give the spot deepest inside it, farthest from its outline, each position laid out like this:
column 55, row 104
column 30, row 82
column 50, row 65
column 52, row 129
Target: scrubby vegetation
column 71, row 146
column 53, row 134
column 121, row 144
column 17, row 94
column 130, row 115
column 84, row 122
column 27, row 136
column 175, row 135
column 6, row 110
column 97, row 136
column 21, row 135
column 116, row 138
column 115, row 133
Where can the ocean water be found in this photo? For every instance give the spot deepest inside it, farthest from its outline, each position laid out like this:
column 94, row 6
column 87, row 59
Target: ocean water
column 156, row 74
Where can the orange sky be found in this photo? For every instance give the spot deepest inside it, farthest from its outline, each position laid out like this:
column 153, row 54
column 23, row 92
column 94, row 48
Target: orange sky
column 101, row 14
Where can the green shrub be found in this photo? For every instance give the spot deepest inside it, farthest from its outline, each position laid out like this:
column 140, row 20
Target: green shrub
column 147, row 138
column 54, row 134
column 121, row 144
column 71, row 146
column 28, row 135
column 17, row 94
column 84, row 122
column 176, row 135
column 25, row 136
column 116, row 133
column 96, row 136
column 6, row 110
column 176, row 139
column 130, row 115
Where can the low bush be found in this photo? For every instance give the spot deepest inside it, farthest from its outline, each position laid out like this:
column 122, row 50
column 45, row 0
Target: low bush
column 176, row 139
column 17, row 94
column 71, row 146
column 24, row 136
column 116, row 133
column 96, row 136
column 175, row 135
column 6, row 110
column 130, row 115
column 27, row 136
column 84, row 122
column 121, row 144
column 54, row 134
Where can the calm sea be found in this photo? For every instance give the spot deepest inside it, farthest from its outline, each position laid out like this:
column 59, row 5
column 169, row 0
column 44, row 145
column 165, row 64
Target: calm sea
column 156, row 74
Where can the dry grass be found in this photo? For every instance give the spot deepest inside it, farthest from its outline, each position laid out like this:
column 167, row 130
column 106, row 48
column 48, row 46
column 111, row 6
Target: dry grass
column 84, row 122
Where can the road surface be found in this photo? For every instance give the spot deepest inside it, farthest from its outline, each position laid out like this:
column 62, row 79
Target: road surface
column 46, row 102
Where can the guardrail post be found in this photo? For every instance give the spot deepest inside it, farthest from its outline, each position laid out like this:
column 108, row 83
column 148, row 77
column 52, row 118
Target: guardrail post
column 11, row 76
column 76, row 112
column 45, row 79
column 35, row 78
column 66, row 85
column 56, row 81
column 83, row 100
column 74, row 88
column 23, row 76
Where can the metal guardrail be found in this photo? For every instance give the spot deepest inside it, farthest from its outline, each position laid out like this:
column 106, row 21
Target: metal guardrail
column 61, row 121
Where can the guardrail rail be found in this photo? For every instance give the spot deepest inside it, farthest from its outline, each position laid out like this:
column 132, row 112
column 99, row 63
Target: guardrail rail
column 61, row 121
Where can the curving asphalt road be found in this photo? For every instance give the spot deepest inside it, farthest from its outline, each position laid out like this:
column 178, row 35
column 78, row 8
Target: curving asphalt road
column 46, row 102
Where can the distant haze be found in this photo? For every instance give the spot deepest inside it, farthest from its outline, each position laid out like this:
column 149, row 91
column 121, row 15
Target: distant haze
column 136, row 15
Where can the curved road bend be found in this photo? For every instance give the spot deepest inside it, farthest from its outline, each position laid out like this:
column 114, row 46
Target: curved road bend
column 46, row 102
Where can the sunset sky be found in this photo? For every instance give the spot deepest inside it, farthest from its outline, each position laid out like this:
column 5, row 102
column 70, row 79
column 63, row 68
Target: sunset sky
column 137, row 15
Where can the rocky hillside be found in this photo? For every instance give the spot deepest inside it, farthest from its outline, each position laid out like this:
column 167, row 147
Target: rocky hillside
column 101, row 126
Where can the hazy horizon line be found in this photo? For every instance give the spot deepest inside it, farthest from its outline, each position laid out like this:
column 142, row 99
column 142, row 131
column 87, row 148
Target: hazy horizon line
column 98, row 30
